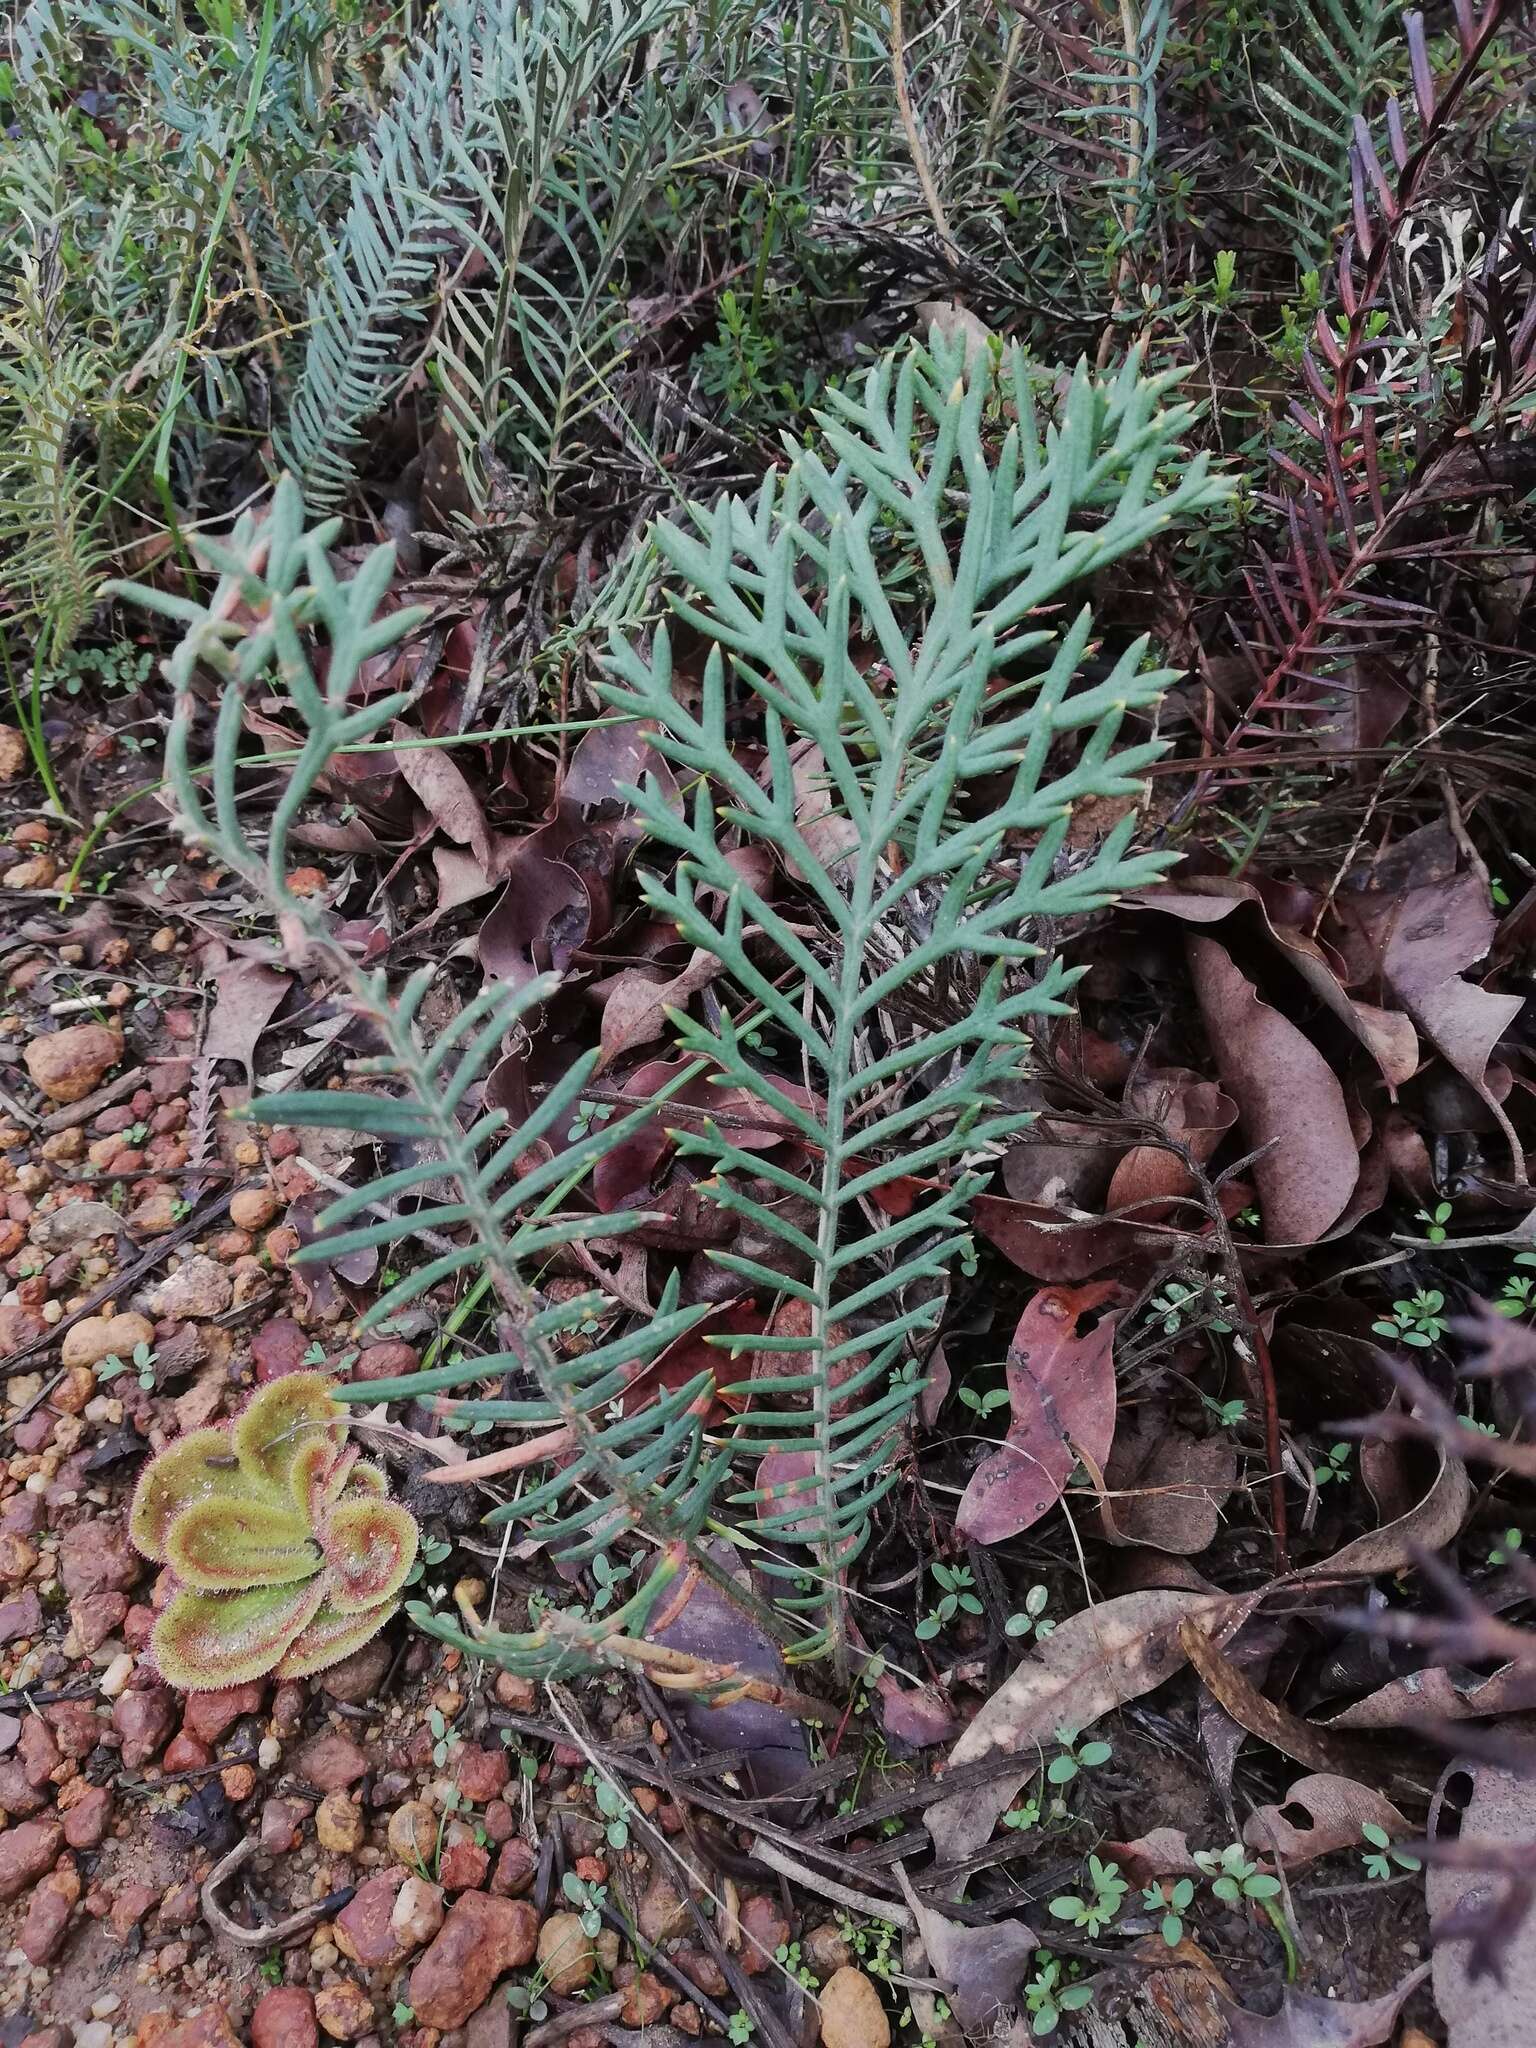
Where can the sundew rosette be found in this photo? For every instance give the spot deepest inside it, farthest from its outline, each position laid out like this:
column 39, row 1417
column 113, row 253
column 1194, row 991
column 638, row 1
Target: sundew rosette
column 286, row 1553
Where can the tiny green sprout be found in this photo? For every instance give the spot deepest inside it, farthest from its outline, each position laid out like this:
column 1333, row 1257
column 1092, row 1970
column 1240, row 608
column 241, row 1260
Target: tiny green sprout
column 1047, row 1998
column 1504, row 1550
column 1228, row 1414
column 956, row 1596
column 143, row 1366
column 1519, row 1291
column 983, row 1404
column 1031, row 1620
column 787, row 1955
column 1022, row 1818
column 1335, row 1466
column 1434, row 1221
column 1062, row 1769
column 1498, row 894
column 1106, row 1887
column 1417, row 1321
column 402, row 2014
column 1234, row 1876
column 1179, row 1304
column 588, row 1899
column 1381, row 1856
column 613, row 1806
column 740, row 2027
column 1172, row 1902
column 271, row 1968
column 1225, row 275
column 1249, row 1218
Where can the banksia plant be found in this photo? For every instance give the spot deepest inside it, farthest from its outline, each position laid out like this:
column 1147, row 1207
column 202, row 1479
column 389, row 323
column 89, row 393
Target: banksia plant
column 287, row 1555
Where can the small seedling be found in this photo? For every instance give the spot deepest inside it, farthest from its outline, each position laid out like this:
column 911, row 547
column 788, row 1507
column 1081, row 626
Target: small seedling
column 1234, row 1876
column 432, row 1553
column 1335, row 1466
column 1107, row 1889
column 1172, row 1902
column 1075, row 1757
column 1047, row 1999
column 1519, row 1292
column 956, row 1597
column 740, row 2027
column 1504, row 1550
column 1228, row 1414
column 1417, row 1321
column 613, row 1806
column 1434, row 1221
column 143, row 1366
column 1381, row 1856
column 588, row 1899
column 983, row 1404
column 787, row 1955
column 1179, row 1304
column 1031, row 1620
column 1023, row 1817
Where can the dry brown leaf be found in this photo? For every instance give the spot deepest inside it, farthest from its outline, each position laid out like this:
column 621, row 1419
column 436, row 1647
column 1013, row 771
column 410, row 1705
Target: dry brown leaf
column 1094, row 1662
column 1421, row 1699
column 1333, row 1811
column 1061, row 1392
column 1487, row 2011
column 1288, row 1097
column 1307, row 2022
column 250, row 994
column 983, row 1966
column 441, row 786
column 1164, row 1487
column 1194, row 1112
column 1428, row 1526
column 1321, row 1749
column 636, row 1010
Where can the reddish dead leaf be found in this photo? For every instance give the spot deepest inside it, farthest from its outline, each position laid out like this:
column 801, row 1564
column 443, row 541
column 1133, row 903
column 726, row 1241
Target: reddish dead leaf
column 1288, row 1098
column 1319, row 1815
column 1425, row 1699
column 917, row 1715
column 1061, row 1392
column 542, row 916
column 636, row 1010
column 443, row 788
column 626, row 1170
column 1387, row 1035
column 1304, row 2021
column 831, row 836
column 250, row 994
column 1164, row 1487
column 1194, row 1113
column 692, row 1353
column 1054, row 1249
column 1161, row 1852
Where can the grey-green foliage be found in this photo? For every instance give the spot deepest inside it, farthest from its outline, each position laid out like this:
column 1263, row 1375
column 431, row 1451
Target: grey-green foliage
column 457, row 166
column 1329, row 70
column 883, row 717
column 900, row 714
column 652, row 1473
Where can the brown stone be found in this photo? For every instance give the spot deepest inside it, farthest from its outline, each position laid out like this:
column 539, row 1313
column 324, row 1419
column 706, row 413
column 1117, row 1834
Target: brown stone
column 278, row 1348
column 646, row 2000
column 514, row 1870
column 129, row 1905
column 364, row 1928
column 852, row 2015
column 96, row 1557
column 332, row 1761
column 358, row 1677
column 68, row 1064
column 25, row 1853
column 88, row 1816
column 481, row 1939
column 18, row 1556
column 20, row 1617
column 48, row 1911
column 186, row 1753
column 95, row 1616
column 499, row 1822
column 181, row 1905
column 481, row 1774
column 463, row 1865
column 76, row 1726
column 413, row 1834
column 566, row 1955
column 211, row 1715
column 144, row 1718
column 344, row 2010
column 338, row 1825
column 37, row 1749
column 285, row 2018
column 763, row 1931
column 282, row 1821
column 392, row 1361
column 19, row 1797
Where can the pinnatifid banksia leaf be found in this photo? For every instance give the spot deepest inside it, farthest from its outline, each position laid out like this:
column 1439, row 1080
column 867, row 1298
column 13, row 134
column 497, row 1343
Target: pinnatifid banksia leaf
column 286, row 1554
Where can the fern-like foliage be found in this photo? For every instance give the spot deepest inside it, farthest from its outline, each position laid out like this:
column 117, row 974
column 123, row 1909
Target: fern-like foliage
column 909, row 703
column 459, row 159
column 1330, row 75
column 906, row 713
column 651, row 1471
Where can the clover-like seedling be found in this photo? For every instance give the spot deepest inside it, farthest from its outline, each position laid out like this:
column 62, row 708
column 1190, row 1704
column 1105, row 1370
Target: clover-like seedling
column 286, row 1554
